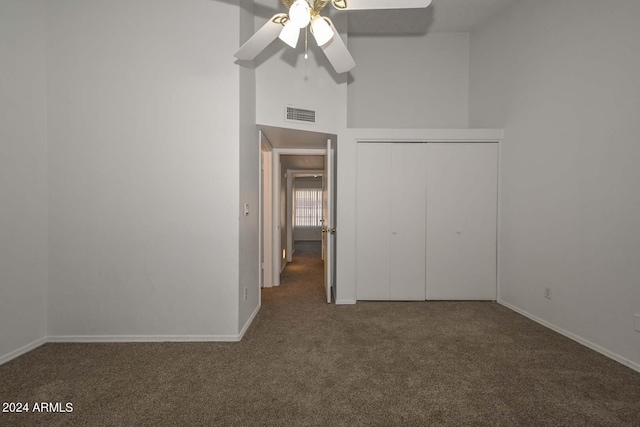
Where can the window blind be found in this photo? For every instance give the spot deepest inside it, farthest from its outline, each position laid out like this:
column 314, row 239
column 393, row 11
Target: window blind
column 308, row 208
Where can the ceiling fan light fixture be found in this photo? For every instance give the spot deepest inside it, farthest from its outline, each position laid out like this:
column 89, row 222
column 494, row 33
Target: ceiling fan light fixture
column 300, row 13
column 290, row 34
column 321, row 30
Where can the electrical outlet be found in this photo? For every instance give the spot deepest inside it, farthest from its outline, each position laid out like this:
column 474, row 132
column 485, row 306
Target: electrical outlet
column 637, row 322
column 245, row 294
column 547, row 292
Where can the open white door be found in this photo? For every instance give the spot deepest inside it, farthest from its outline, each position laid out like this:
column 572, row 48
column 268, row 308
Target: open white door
column 328, row 223
column 266, row 206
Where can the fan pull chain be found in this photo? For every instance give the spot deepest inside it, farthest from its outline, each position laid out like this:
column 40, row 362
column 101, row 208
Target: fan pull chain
column 306, row 44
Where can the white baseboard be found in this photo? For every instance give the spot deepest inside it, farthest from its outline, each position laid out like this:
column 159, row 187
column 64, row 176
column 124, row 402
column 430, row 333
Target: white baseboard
column 577, row 338
column 142, row 338
column 22, row 350
column 345, row 302
column 246, row 325
column 128, row 338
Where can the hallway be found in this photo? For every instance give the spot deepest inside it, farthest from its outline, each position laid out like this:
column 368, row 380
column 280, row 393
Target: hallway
column 302, row 279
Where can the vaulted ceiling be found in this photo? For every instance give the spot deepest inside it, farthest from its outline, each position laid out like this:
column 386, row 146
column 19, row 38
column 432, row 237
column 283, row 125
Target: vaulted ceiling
column 442, row 16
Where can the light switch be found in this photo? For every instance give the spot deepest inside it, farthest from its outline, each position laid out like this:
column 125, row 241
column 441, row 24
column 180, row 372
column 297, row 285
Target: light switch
column 246, row 209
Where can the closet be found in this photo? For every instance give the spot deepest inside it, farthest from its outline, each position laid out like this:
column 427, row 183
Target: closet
column 426, row 221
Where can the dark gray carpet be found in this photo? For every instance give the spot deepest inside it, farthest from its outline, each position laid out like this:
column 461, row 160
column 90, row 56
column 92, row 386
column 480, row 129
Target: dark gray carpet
column 306, row 363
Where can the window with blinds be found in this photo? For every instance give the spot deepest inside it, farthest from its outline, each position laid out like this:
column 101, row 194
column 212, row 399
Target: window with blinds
column 308, row 207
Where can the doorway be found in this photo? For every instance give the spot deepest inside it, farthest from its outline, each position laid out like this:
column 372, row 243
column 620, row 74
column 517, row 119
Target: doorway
column 297, row 204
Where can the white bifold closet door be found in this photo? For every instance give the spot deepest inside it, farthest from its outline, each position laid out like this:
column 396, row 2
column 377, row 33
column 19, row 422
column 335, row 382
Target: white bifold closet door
column 372, row 216
column 408, row 209
column 391, row 209
column 462, row 181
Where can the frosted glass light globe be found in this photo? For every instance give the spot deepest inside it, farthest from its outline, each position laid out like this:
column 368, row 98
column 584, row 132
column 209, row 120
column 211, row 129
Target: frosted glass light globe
column 321, row 30
column 300, row 13
column 290, row 34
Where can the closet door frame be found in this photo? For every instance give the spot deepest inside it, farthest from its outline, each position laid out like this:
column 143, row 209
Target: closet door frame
column 430, row 136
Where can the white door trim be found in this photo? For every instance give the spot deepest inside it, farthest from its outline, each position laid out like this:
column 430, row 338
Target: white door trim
column 275, row 218
column 329, row 219
column 276, row 185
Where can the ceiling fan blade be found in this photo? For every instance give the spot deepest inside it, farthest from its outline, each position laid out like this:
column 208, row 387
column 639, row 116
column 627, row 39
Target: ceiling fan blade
column 380, row 4
column 337, row 52
column 261, row 39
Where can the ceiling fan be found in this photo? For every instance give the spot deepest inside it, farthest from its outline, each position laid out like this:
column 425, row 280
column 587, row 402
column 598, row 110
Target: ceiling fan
column 306, row 13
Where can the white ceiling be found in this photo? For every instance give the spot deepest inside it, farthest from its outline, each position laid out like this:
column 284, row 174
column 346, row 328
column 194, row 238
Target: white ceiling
column 442, row 16
column 465, row 15
column 292, row 138
column 298, row 162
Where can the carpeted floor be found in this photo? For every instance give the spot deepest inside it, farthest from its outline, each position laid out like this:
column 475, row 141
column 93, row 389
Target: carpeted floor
column 306, row 363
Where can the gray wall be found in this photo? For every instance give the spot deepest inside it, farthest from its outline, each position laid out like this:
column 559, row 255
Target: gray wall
column 409, row 81
column 562, row 78
column 23, row 177
column 249, row 251
column 143, row 168
column 128, row 149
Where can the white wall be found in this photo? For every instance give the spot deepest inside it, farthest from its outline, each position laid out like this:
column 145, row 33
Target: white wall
column 23, row 174
column 249, row 251
column 409, row 81
column 562, row 78
column 301, row 83
column 144, row 168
